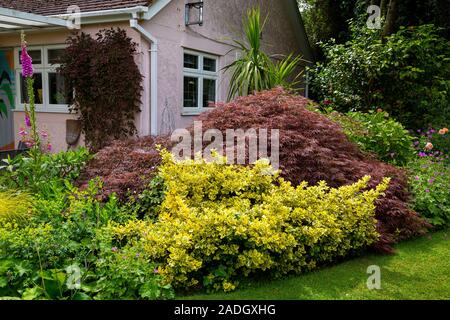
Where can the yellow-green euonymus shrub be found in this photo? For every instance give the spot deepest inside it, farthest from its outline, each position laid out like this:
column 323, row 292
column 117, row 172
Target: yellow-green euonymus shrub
column 219, row 222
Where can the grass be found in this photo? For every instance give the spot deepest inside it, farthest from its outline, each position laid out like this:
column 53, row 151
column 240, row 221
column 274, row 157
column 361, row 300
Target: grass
column 419, row 270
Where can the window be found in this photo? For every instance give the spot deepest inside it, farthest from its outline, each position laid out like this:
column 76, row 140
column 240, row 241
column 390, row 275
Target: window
column 200, row 81
column 49, row 90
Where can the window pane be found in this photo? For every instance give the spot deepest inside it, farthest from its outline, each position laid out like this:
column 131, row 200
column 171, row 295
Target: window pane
column 209, row 64
column 190, row 61
column 37, row 88
column 209, row 93
column 56, row 89
column 35, row 56
column 190, row 92
column 54, row 56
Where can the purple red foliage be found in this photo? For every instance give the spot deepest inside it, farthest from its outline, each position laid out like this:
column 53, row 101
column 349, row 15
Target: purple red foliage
column 125, row 166
column 312, row 148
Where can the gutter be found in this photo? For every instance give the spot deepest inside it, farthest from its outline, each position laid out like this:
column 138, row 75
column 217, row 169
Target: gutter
column 153, row 74
column 110, row 15
column 148, row 14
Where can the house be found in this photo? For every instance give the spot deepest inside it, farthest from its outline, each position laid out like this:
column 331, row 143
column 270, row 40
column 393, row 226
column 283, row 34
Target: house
column 183, row 47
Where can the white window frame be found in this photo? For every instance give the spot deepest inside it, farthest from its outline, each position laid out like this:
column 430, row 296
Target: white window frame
column 200, row 74
column 45, row 69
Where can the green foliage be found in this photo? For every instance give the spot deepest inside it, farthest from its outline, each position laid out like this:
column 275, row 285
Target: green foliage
column 439, row 140
column 255, row 70
column 405, row 75
column 66, row 251
column 377, row 133
column 430, row 185
column 219, row 222
column 424, row 256
column 14, row 207
column 52, row 171
column 148, row 203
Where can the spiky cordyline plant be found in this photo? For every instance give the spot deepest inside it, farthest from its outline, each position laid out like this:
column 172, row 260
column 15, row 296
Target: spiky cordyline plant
column 255, row 70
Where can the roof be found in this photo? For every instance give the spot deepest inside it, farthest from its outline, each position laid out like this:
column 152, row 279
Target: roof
column 11, row 20
column 54, row 7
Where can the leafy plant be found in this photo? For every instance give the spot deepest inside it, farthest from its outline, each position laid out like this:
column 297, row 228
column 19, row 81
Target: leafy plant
column 377, row 133
column 313, row 148
column 430, row 185
column 126, row 167
column 255, row 70
column 106, row 81
column 67, row 251
column 148, row 203
column 14, row 207
column 406, row 74
column 219, row 221
column 51, row 170
column 433, row 143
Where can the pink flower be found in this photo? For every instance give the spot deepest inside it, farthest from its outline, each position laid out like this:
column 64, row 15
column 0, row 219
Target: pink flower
column 429, row 146
column 27, row 62
column 417, row 178
column 22, row 132
column 422, row 154
column 327, row 102
column 29, row 144
column 49, row 147
column 44, row 134
column 427, row 191
column 27, row 120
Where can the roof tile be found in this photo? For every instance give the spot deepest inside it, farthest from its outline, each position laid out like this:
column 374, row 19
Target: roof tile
column 53, row 7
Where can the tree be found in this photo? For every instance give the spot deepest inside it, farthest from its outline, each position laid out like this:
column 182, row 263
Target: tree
column 328, row 19
column 391, row 17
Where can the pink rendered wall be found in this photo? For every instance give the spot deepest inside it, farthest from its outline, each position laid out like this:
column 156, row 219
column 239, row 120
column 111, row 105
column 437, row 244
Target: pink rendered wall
column 222, row 22
column 55, row 123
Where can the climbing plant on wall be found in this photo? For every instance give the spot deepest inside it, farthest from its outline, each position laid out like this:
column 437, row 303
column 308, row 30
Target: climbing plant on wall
column 104, row 83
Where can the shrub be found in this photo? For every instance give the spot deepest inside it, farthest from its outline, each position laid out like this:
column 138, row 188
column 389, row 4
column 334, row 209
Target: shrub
column 430, row 185
column 314, row 148
column 66, row 240
column 126, row 166
column 220, row 221
column 97, row 69
column 148, row 203
column 14, row 207
column 50, row 172
column 406, row 75
column 434, row 143
column 255, row 70
column 377, row 133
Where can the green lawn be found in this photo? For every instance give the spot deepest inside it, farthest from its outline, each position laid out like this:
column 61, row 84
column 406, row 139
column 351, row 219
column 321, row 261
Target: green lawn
column 419, row 270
